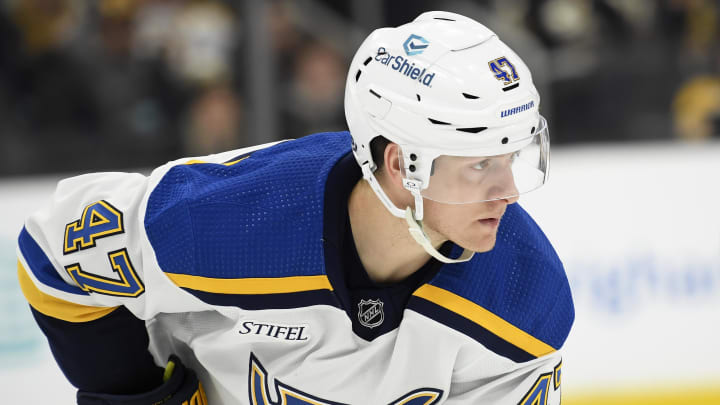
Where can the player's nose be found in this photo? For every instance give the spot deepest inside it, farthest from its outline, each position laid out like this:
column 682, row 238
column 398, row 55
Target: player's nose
column 513, row 199
column 504, row 187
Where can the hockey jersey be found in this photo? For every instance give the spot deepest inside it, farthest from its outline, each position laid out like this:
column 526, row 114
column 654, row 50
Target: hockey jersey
column 229, row 260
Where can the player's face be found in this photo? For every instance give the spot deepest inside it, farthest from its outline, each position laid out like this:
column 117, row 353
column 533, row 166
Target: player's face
column 472, row 226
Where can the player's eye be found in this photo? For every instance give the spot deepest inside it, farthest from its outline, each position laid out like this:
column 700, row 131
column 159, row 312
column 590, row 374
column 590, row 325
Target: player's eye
column 483, row 164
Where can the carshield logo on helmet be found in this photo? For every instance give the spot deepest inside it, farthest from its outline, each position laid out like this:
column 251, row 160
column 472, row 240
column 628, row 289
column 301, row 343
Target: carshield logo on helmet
column 404, row 66
column 415, row 45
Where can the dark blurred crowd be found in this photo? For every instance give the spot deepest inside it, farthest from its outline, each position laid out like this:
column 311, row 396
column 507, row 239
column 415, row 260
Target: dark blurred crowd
column 117, row 84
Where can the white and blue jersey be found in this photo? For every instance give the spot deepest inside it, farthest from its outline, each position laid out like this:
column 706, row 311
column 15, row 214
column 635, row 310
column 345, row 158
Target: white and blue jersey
column 243, row 264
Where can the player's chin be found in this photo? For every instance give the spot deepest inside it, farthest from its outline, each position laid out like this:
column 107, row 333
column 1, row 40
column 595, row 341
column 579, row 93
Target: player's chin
column 479, row 243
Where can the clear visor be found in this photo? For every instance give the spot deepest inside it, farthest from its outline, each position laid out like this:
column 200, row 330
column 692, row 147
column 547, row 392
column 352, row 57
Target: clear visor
column 472, row 179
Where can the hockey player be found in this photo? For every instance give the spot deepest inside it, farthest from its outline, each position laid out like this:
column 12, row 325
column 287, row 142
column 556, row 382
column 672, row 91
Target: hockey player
column 387, row 265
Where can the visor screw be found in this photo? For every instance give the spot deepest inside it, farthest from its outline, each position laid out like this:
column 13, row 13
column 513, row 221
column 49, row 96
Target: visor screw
column 412, row 168
column 504, row 140
column 413, row 157
column 532, row 131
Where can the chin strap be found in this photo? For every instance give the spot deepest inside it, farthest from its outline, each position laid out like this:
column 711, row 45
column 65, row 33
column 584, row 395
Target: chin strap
column 415, row 228
column 379, row 192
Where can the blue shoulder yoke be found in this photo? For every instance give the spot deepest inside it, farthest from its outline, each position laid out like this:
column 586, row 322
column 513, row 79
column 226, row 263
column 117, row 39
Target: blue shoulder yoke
column 261, row 217
column 521, row 280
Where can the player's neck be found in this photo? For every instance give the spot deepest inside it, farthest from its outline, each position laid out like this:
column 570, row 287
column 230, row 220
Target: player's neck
column 386, row 249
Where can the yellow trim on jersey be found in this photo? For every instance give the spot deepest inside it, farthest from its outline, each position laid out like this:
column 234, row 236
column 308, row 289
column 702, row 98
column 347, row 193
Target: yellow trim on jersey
column 484, row 318
column 428, row 396
column 55, row 307
column 198, row 162
column 236, row 161
column 277, row 285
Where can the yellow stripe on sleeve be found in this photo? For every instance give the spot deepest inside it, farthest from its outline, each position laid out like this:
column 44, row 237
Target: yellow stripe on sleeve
column 55, row 307
column 236, row 161
column 200, row 162
column 484, row 318
column 195, row 162
column 276, row 285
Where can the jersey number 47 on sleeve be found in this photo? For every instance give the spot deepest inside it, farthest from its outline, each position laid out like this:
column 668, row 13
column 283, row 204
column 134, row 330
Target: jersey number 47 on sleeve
column 98, row 220
column 538, row 394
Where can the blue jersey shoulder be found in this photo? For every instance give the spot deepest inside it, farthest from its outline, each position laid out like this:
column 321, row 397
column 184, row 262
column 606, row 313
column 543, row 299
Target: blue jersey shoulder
column 261, row 217
column 521, row 280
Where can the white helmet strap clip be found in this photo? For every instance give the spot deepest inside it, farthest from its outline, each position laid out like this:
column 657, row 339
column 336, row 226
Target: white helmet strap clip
column 414, row 186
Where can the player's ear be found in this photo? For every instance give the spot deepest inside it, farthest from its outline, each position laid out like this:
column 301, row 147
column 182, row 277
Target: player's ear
column 389, row 175
column 392, row 166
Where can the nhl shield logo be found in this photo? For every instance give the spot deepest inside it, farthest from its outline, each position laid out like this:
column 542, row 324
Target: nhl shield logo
column 370, row 313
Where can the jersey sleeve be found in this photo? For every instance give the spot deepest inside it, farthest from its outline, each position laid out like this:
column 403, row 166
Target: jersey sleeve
column 81, row 256
column 87, row 251
column 92, row 279
column 80, row 266
column 502, row 381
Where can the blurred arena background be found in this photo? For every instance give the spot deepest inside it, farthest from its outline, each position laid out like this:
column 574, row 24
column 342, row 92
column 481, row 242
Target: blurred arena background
column 631, row 90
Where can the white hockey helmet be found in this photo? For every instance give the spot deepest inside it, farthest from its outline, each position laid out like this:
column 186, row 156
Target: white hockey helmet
column 460, row 104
